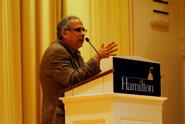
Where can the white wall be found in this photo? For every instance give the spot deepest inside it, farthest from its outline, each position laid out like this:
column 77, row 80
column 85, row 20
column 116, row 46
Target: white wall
column 164, row 47
column 182, row 8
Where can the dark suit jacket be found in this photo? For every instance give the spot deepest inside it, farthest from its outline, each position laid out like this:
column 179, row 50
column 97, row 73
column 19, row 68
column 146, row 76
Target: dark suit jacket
column 61, row 67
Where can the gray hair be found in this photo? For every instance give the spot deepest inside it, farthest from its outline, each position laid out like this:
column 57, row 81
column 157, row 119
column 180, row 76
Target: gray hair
column 64, row 23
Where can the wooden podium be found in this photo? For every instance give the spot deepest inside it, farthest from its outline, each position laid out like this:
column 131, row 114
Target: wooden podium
column 94, row 102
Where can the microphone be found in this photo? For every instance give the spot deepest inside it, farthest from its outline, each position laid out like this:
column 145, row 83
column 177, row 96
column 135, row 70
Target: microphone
column 87, row 39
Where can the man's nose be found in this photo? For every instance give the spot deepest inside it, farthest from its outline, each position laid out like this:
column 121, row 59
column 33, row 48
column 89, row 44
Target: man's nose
column 82, row 33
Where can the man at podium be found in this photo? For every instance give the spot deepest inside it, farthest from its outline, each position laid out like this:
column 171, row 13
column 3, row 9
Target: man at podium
column 63, row 66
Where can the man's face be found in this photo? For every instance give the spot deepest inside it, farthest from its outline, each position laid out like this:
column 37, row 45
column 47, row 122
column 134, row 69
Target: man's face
column 74, row 36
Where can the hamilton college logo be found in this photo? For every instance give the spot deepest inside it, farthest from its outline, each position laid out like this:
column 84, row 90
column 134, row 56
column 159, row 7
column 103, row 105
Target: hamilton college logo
column 138, row 84
column 150, row 75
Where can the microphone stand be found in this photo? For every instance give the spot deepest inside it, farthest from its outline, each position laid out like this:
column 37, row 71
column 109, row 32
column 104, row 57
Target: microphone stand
column 87, row 39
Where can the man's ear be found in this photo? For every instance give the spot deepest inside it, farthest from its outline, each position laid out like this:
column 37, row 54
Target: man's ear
column 63, row 33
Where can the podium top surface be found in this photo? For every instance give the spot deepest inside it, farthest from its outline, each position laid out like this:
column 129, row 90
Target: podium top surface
column 137, row 58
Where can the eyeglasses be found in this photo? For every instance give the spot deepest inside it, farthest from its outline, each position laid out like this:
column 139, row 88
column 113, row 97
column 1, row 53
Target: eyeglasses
column 77, row 29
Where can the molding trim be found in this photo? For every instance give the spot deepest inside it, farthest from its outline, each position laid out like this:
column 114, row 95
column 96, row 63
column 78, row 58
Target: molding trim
column 183, row 47
column 161, row 26
column 115, row 96
column 135, row 118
